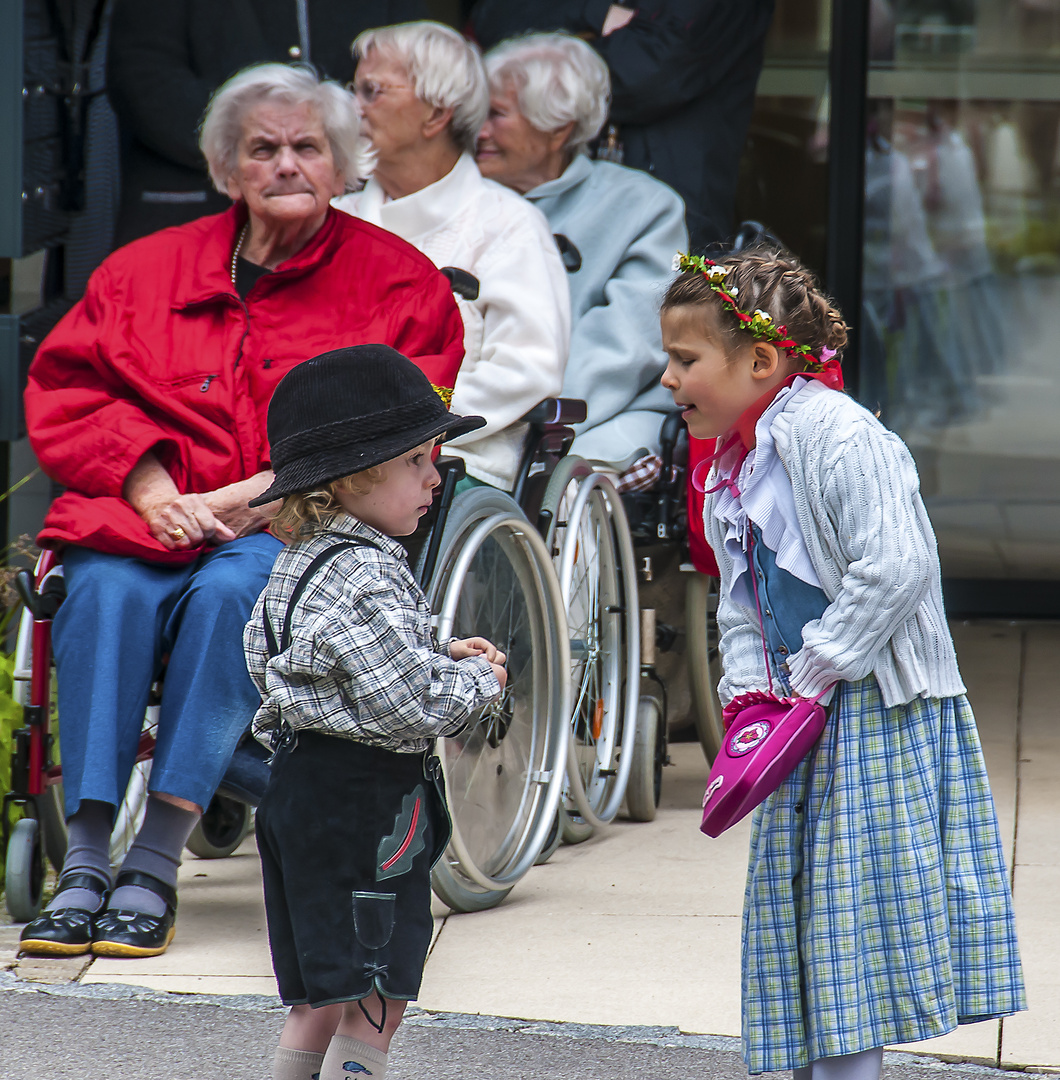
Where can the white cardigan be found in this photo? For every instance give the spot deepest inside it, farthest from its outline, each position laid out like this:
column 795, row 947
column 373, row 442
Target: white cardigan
column 857, row 498
column 517, row 333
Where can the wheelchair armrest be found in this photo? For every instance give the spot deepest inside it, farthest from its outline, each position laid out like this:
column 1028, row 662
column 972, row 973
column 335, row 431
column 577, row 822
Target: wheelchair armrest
column 557, row 411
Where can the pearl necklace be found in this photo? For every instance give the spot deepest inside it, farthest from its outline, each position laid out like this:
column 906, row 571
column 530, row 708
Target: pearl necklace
column 239, row 248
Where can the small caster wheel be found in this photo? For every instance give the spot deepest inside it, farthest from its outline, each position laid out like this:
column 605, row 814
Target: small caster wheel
column 649, row 754
column 24, row 871
column 458, row 892
column 221, row 829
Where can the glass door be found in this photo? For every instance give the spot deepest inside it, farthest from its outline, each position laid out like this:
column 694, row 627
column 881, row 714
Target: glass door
column 960, row 327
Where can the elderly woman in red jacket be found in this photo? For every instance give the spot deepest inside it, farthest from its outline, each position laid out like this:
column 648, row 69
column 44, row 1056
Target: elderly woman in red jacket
column 148, row 403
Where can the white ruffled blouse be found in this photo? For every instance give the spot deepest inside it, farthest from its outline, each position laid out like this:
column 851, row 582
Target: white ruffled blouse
column 765, row 498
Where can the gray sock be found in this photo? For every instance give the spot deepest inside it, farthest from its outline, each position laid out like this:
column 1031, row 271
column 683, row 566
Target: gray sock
column 296, row 1064
column 88, row 848
column 156, row 851
column 351, row 1059
column 865, row 1065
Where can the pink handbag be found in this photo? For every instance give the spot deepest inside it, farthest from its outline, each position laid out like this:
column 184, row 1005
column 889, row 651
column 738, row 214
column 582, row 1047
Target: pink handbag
column 765, row 738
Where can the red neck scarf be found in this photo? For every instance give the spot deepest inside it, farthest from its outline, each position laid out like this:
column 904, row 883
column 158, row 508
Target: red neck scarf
column 743, row 431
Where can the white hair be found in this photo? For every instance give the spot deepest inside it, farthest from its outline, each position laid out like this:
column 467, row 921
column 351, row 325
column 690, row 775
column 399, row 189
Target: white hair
column 293, row 84
column 557, row 78
column 444, row 68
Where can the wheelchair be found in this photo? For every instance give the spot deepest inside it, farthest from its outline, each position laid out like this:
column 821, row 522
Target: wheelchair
column 680, row 600
column 547, row 574
column 37, row 771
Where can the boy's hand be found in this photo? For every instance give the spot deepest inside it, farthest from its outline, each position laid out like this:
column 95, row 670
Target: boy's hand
column 477, row 646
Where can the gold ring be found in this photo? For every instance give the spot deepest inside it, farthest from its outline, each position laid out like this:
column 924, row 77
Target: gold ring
column 178, row 533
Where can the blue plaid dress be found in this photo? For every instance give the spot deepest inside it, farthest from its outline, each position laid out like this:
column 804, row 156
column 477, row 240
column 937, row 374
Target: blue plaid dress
column 878, row 907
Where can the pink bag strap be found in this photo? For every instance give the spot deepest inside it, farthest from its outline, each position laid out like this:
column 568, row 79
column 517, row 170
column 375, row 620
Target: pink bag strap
column 758, row 603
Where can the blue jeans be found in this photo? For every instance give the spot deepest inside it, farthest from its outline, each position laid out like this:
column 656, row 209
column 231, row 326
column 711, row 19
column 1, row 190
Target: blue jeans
column 120, row 618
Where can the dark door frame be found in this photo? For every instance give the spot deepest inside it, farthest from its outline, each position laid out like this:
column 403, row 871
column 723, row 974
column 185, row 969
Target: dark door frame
column 848, row 89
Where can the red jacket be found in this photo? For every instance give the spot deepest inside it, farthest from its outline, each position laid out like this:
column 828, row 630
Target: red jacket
column 162, row 355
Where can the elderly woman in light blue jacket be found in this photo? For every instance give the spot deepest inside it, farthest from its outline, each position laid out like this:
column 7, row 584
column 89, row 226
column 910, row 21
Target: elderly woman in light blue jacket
column 549, row 96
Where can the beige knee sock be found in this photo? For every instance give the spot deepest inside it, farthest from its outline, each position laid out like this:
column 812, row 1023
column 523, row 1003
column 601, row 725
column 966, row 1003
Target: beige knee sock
column 296, row 1064
column 350, row 1059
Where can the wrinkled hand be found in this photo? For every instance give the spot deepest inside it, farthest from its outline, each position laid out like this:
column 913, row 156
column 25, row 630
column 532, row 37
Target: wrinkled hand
column 184, row 522
column 616, row 18
column 181, row 522
column 229, row 505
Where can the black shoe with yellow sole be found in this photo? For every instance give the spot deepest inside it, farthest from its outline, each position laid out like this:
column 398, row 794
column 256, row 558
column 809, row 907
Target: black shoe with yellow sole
column 134, row 933
column 66, row 931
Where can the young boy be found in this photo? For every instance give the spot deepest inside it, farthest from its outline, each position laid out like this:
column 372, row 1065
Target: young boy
column 354, row 689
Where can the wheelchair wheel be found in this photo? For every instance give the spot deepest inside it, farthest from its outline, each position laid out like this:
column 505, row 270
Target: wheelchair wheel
column 553, row 840
column 503, row 773
column 53, row 824
column 704, row 660
column 598, row 581
column 24, row 871
column 649, row 755
column 224, row 825
column 556, row 505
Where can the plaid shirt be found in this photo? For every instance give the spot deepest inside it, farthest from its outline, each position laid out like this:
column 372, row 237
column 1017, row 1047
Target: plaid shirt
column 363, row 662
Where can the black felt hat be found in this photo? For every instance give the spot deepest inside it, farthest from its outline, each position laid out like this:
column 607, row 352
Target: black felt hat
column 348, row 410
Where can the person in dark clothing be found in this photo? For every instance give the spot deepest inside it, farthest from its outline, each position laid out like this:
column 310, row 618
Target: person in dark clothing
column 165, row 61
column 683, row 76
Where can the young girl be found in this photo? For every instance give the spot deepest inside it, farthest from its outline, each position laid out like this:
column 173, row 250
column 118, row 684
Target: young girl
column 354, row 690
column 877, row 907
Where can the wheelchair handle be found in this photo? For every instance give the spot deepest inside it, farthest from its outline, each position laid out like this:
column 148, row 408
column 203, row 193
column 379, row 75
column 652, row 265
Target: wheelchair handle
column 568, row 253
column 668, row 436
column 43, row 603
column 27, row 593
column 557, row 411
column 464, row 284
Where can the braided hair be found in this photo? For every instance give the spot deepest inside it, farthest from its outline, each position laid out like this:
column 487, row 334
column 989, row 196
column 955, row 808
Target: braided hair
column 773, row 280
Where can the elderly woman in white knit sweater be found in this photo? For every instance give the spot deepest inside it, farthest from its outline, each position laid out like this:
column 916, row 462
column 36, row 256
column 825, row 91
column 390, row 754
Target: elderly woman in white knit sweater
column 549, row 97
column 423, row 98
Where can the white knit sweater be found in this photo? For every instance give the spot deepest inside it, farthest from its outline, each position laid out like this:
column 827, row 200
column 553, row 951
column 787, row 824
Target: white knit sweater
column 857, row 497
column 517, row 333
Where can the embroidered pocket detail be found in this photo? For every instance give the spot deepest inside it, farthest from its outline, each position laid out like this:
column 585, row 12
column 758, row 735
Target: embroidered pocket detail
column 373, row 918
column 398, row 850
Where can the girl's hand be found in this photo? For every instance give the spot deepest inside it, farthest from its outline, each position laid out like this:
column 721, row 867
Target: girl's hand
column 477, row 646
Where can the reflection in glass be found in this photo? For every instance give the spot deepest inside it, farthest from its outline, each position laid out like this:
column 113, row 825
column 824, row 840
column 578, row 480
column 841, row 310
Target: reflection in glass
column 961, row 315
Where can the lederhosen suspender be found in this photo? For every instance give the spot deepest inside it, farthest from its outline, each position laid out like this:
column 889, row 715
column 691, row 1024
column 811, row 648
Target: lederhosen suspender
column 284, row 736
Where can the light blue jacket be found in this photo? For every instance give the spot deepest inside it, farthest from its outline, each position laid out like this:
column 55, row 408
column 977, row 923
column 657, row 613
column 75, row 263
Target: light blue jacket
column 627, row 227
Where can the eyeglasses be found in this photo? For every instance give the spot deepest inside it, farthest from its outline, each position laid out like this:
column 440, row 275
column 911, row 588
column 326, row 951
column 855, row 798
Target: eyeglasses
column 368, row 91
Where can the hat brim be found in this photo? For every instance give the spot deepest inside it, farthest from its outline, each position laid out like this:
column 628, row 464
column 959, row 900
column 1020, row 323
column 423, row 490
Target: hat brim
column 305, row 474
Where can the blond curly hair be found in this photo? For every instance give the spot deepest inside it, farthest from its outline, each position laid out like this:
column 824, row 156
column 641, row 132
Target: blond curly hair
column 308, row 512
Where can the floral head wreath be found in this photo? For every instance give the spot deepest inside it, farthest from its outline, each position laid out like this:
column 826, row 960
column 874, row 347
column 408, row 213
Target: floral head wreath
column 758, row 323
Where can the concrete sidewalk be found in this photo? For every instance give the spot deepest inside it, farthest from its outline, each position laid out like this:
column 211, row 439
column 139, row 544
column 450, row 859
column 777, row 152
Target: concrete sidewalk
column 640, row 925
